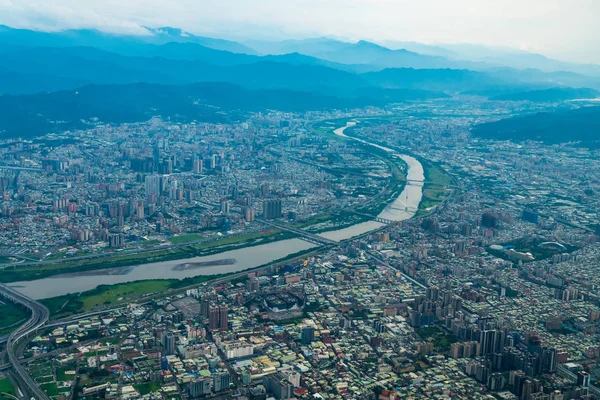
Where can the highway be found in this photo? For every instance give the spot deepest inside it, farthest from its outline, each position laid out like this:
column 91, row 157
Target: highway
column 383, row 262
column 317, row 239
column 564, row 372
column 39, row 317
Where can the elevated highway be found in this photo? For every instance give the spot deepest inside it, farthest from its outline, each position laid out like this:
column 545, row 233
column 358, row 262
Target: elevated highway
column 39, row 317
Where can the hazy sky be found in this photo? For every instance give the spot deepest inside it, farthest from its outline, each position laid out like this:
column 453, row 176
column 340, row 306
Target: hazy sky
column 565, row 29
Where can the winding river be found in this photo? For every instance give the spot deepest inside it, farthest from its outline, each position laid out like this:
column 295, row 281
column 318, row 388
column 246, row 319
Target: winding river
column 404, row 207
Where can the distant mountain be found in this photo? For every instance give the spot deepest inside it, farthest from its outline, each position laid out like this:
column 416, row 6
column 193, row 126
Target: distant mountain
column 450, row 80
column 362, row 52
column 425, row 49
column 549, row 95
column 169, row 35
column 397, row 54
column 580, row 125
column 37, row 114
column 71, row 67
column 113, row 42
column 76, row 66
column 515, row 59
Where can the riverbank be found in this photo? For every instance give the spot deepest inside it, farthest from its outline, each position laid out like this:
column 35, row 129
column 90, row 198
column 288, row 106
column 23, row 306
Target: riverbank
column 111, row 296
column 436, row 180
column 244, row 258
column 116, row 260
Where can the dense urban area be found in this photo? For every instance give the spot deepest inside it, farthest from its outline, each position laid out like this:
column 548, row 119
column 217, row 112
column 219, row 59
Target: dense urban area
column 377, row 253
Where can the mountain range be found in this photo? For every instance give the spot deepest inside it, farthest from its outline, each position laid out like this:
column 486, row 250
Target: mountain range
column 37, row 68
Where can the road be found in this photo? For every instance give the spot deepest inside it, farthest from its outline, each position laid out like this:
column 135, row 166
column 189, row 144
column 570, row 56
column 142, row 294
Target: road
column 563, row 371
column 383, row 262
column 317, row 239
column 39, row 317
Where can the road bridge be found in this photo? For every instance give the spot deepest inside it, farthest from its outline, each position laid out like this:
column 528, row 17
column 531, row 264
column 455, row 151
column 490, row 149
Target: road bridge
column 309, row 237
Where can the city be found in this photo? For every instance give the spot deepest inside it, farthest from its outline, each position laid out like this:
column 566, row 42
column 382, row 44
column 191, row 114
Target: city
column 186, row 217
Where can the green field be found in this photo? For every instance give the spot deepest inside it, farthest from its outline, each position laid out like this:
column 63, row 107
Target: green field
column 149, row 387
column 192, row 237
column 113, row 295
column 11, row 315
column 441, row 341
column 6, row 386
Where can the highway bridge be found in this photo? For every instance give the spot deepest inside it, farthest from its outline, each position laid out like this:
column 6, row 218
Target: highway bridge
column 39, row 317
column 309, row 237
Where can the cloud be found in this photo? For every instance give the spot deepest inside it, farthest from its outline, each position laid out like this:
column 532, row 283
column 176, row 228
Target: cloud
column 556, row 27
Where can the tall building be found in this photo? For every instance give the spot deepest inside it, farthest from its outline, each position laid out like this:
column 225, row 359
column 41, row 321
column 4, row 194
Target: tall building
column 308, row 334
column 140, row 209
column 279, row 385
column 221, row 381
column 153, row 186
column 200, row 387
column 115, row 240
column 225, row 206
column 218, row 318
column 168, row 342
column 272, row 209
column 583, row 379
column 249, row 214
column 223, row 318
column 530, row 215
column 264, row 190
column 213, row 318
column 198, row 167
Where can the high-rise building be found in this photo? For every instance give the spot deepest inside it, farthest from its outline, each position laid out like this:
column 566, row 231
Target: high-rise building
column 221, row 381
column 264, row 190
column 530, row 215
column 583, row 379
column 225, row 206
column 223, row 318
column 153, row 186
column 218, row 318
column 140, row 209
column 213, row 318
column 168, row 342
column 272, row 209
column 279, row 385
column 249, row 214
column 115, row 240
column 252, row 284
column 308, row 334
column 198, row 167
column 200, row 387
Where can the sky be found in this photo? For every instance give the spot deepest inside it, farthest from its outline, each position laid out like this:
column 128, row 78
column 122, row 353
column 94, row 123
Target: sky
column 562, row 29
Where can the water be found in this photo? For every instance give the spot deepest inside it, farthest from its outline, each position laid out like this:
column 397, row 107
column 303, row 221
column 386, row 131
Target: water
column 248, row 257
column 404, row 207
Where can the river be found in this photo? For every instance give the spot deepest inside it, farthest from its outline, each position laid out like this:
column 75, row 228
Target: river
column 404, row 207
